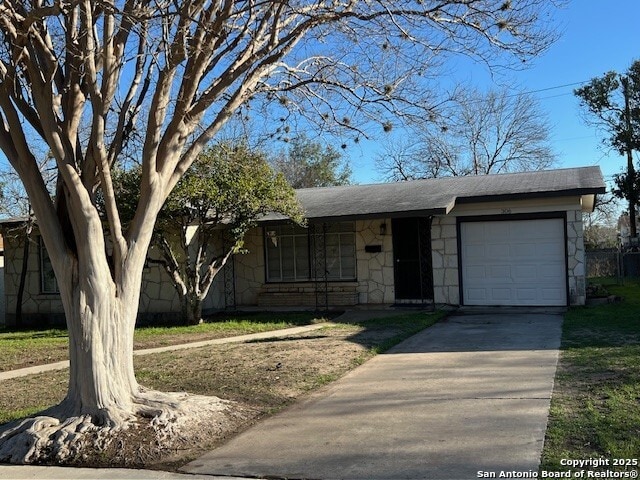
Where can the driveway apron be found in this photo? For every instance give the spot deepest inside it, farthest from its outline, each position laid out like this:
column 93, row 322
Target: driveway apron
column 467, row 396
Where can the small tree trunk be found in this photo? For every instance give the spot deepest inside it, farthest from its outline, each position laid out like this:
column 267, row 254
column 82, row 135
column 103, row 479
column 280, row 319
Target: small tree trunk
column 192, row 308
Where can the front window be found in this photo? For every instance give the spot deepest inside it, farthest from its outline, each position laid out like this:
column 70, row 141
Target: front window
column 287, row 249
column 290, row 252
column 340, row 241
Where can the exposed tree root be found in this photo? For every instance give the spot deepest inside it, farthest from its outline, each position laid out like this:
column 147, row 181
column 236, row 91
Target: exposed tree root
column 56, row 437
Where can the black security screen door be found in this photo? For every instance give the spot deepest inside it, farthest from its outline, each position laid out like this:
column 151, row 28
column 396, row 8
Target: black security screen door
column 412, row 258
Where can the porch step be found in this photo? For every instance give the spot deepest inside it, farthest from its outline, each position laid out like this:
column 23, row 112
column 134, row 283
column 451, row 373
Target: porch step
column 294, row 298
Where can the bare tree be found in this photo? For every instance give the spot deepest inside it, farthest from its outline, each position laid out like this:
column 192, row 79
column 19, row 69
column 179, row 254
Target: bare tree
column 475, row 133
column 174, row 73
column 600, row 226
column 612, row 103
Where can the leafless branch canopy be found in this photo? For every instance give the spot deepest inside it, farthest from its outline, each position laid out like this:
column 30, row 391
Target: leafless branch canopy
column 86, row 76
column 475, row 133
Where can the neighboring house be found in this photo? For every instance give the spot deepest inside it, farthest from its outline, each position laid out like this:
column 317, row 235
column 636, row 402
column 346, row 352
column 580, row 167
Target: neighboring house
column 510, row 239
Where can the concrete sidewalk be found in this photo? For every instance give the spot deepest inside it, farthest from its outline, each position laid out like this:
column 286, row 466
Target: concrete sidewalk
column 468, row 395
column 31, row 472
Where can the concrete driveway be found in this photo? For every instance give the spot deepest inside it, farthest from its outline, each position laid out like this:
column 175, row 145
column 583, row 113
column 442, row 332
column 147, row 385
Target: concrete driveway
column 468, row 395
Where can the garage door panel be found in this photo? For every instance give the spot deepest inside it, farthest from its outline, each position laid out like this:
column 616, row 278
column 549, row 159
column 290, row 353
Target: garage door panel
column 526, row 295
column 476, row 233
column 501, row 230
column 553, row 294
column 501, row 294
column 498, row 251
column 475, row 251
column 499, row 271
column 515, row 262
column 526, row 272
column 545, row 248
column 551, row 272
column 522, row 251
column 477, row 295
column 476, row 272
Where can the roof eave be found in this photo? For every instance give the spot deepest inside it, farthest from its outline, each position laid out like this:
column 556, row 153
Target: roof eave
column 574, row 192
column 365, row 216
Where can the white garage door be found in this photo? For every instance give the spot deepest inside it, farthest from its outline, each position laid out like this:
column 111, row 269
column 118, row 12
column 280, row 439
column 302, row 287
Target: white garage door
column 519, row 262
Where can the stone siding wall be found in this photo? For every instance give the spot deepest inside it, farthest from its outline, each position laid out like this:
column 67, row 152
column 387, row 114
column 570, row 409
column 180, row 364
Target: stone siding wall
column 158, row 298
column 306, row 295
column 444, row 257
column 249, row 269
column 375, row 270
column 37, row 307
column 576, row 258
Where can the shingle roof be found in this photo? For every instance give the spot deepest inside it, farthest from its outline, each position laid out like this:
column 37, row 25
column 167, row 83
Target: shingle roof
column 440, row 195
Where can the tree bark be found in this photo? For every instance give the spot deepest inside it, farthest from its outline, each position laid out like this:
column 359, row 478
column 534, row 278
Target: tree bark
column 103, row 395
column 101, row 377
column 192, row 308
column 631, row 173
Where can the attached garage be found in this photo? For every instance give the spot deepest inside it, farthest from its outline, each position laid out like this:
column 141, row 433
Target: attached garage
column 514, row 262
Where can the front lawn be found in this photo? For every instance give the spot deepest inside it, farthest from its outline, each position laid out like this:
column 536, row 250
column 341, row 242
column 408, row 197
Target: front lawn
column 595, row 409
column 26, row 348
column 261, row 376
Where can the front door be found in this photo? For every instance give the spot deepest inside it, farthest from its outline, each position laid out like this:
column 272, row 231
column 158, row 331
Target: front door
column 412, row 258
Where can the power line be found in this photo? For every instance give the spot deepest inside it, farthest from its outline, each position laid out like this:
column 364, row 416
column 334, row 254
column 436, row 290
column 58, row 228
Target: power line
column 529, row 92
column 554, row 88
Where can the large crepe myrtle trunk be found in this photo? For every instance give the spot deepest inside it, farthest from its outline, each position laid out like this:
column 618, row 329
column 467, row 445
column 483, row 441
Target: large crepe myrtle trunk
column 100, row 295
column 101, row 318
column 100, row 301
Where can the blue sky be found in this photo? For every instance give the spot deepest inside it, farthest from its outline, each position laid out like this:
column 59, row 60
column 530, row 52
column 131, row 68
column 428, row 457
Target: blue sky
column 596, row 36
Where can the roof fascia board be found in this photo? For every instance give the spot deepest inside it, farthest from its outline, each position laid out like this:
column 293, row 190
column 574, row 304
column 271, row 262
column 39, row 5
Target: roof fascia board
column 368, row 216
column 523, row 196
column 588, row 203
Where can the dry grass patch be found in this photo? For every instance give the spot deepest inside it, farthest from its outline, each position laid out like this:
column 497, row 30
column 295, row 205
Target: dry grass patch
column 26, row 348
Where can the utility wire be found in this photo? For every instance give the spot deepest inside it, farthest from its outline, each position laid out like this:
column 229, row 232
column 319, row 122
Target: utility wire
column 553, row 88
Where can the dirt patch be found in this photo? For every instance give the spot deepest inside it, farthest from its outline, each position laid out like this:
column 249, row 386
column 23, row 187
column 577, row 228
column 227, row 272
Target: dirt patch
column 140, row 447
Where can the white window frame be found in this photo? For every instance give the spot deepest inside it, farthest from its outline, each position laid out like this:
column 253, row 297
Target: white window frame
column 273, row 234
